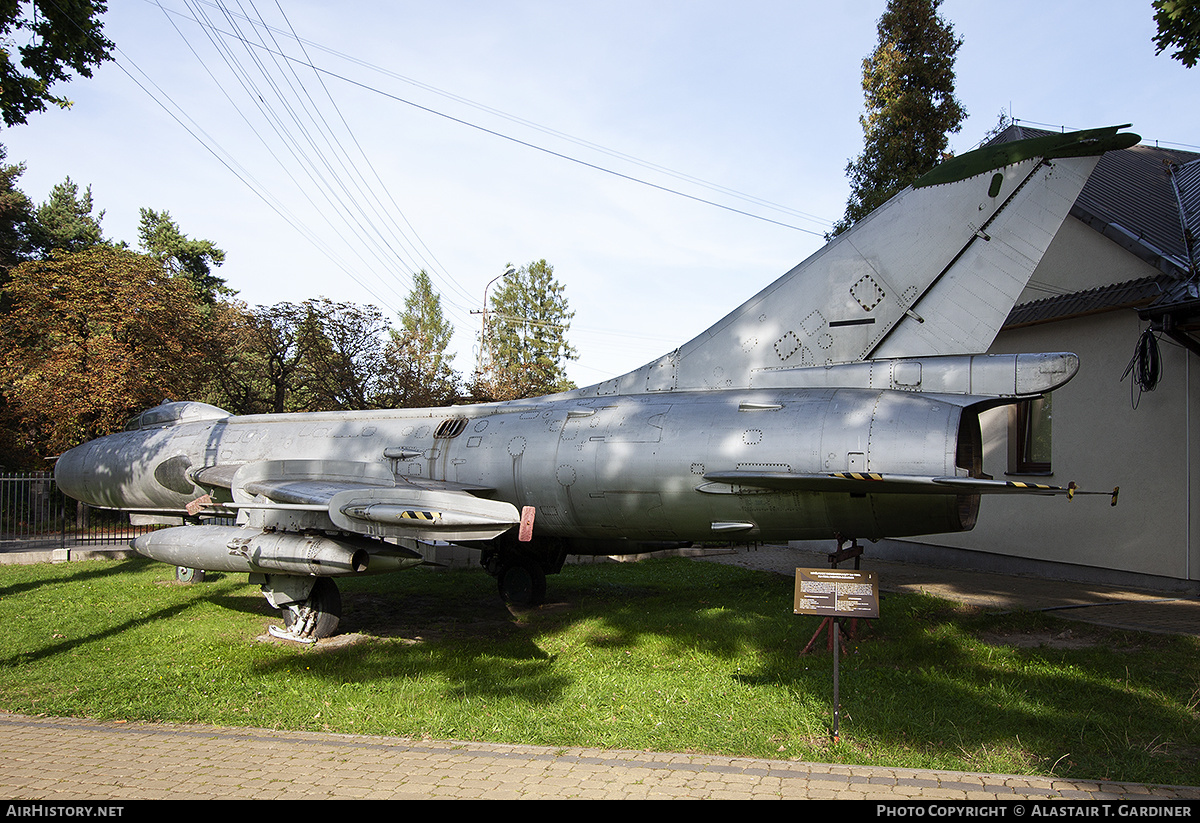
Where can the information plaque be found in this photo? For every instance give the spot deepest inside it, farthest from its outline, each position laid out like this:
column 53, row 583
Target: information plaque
column 836, row 593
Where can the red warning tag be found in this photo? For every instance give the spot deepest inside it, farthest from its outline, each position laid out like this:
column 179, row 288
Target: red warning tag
column 526, row 532
column 199, row 503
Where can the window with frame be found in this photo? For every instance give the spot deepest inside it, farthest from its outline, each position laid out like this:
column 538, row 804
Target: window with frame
column 1030, row 436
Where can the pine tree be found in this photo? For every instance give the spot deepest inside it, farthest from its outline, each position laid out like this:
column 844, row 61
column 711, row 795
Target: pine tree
column 194, row 259
column 908, row 85
column 418, row 363
column 526, row 336
column 16, row 215
column 65, row 221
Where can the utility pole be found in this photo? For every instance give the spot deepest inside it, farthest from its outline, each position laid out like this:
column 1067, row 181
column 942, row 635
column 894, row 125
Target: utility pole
column 483, row 332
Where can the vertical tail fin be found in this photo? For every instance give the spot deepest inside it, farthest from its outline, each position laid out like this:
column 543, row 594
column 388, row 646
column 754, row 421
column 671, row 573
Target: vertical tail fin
column 934, row 271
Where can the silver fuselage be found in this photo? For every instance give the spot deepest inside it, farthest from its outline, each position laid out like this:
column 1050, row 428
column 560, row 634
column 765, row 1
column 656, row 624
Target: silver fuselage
column 626, row 467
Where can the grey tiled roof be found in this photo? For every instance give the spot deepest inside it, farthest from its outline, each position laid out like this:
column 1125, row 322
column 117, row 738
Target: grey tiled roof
column 1145, row 199
column 1131, row 294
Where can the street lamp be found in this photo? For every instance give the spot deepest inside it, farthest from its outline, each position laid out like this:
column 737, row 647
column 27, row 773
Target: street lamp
column 483, row 331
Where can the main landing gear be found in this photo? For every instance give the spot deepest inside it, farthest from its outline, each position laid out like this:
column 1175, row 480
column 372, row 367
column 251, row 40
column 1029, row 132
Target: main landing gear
column 520, row 577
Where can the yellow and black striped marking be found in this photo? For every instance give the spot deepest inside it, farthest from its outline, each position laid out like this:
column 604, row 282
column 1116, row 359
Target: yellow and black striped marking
column 858, row 475
column 419, row 515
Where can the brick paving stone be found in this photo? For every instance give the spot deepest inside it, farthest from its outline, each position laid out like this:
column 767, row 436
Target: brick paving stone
column 48, row 758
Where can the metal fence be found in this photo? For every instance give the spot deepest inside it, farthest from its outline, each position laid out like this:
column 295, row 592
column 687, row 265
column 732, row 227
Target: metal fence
column 35, row 514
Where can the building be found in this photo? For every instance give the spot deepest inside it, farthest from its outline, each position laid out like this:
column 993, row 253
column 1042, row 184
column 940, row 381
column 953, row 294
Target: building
column 1118, row 286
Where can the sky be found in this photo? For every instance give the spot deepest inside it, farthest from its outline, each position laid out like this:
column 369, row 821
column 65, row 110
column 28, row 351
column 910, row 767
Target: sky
column 669, row 158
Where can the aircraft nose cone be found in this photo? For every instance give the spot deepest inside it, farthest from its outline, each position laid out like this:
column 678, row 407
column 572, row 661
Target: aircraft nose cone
column 70, row 473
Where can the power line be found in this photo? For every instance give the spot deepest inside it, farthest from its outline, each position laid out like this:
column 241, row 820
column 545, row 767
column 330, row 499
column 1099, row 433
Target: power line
column 548, row 151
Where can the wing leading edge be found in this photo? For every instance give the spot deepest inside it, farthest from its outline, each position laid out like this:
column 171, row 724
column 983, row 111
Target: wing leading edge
column 363, row 498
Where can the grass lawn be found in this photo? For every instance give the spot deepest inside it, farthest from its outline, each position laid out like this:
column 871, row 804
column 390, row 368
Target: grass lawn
column 672, row 655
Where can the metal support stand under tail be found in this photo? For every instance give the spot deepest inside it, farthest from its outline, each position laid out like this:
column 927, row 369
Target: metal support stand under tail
column 834, row 625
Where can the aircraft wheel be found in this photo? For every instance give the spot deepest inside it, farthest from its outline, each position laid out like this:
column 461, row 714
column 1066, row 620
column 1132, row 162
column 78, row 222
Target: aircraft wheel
column 185, row 575
column 522, row 582
column 319, row 615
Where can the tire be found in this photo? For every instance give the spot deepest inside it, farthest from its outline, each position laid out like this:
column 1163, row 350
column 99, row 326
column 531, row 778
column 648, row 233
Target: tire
column 522, row 582
column 185, row 575
column 320, row 613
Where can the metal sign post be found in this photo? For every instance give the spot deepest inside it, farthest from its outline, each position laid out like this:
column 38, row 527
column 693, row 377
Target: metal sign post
column 834, row 594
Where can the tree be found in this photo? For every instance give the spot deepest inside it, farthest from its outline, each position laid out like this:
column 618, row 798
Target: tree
column 16, row 217
column 60, row 36
column 194, row 259
column 418, row 367
column 298, row 357
column 526, row 336
column 65, row 221
column 345, row 355
column 908, row 85
column 263, row 372
column 91, row 338
column 1178, row 25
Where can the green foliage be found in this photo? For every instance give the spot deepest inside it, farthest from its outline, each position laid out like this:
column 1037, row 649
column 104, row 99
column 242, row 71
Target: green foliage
column 1178, row 24
column 94, row 332
column 418, row 368
column 526, row 339
column 295, row 357
column 908, row 85
column 161, row 239
column 91, row 337
column 65, row 221
column 16, row 217
column 345, row 368
column 671, row 655
column 56, row 38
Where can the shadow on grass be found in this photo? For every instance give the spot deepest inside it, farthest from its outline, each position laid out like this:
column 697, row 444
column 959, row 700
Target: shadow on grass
column 453, row 625
column 1111, row 707
column 69, row 645
column 76, row 573
column 927, row 679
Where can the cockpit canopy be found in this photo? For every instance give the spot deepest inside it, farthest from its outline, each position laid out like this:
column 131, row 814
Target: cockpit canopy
column 172, row 413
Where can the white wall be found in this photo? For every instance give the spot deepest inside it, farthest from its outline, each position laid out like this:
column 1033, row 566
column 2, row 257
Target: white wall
column 1100, row 440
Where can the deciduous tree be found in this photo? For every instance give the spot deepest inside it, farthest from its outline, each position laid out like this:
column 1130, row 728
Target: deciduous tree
column 298, row 357
column 345, row 364
column 43, row 42
column 1178, row 24
column 93, row 337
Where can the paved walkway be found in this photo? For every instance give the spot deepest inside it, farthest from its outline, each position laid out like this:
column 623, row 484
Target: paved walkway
column 57, row 759
column 1114, row 607
column 54, row 759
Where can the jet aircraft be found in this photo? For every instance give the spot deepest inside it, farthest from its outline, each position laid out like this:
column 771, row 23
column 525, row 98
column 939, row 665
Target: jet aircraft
column 840, row 402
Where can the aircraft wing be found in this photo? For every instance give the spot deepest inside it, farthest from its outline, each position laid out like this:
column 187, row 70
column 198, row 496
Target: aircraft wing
column 363, row 498
column 880, row 483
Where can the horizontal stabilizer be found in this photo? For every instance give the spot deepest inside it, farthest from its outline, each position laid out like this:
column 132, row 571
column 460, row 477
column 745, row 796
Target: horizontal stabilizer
column 876, row 483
